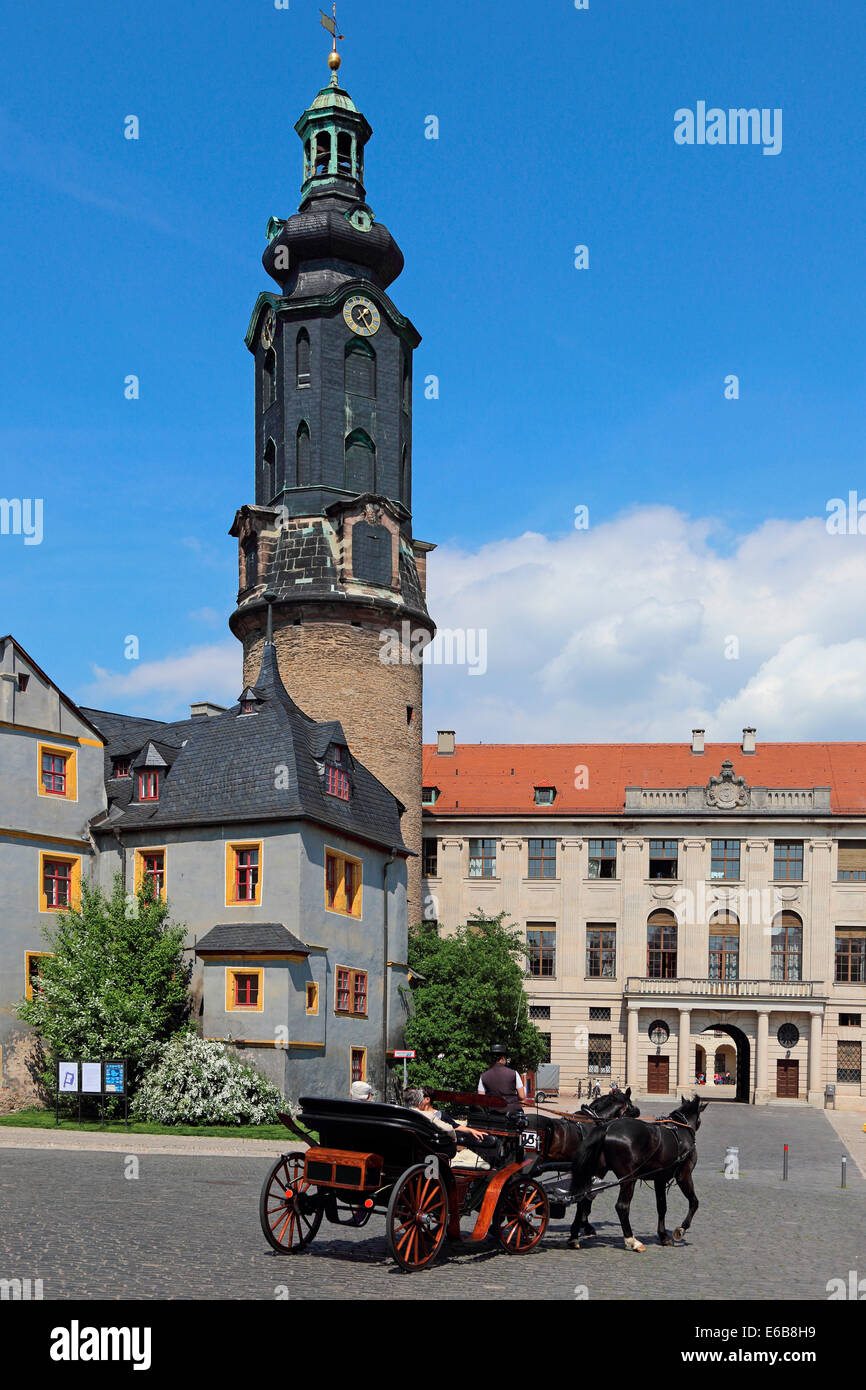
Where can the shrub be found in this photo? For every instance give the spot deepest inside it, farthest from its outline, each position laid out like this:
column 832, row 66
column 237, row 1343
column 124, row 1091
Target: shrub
column 196, row 1082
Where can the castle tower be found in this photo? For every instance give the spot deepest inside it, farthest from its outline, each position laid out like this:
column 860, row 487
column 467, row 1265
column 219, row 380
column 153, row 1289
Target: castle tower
column 329, row 535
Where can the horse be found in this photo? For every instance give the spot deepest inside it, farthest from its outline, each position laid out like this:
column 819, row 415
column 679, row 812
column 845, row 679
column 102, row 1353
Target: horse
column 661, row 1151
column 576, row 1139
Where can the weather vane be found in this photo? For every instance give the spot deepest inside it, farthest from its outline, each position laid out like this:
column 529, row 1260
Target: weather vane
column 334, row 59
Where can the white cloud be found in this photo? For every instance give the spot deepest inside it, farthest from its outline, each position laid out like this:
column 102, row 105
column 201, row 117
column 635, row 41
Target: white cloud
column 620, row 633
column 164, row 689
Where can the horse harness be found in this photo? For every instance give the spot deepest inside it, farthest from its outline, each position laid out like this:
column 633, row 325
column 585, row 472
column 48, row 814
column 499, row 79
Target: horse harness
column 658, row 1120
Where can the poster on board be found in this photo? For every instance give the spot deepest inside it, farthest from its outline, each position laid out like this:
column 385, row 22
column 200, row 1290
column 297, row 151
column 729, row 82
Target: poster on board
column 115, row 1078
column 91, row 1078
column 67, row 1078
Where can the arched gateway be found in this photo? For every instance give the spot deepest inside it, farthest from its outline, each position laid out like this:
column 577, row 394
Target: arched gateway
column 744, row 1057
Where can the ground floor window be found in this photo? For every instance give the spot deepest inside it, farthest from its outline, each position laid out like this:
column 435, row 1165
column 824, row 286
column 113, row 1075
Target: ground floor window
column 545, row 1038
column 599, row 1054
column 848, row 1062
column 359, row 1064
column 33, row 970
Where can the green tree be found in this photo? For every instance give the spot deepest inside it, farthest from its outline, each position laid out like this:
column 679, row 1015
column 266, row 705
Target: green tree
column 470, row 996
column 115, row 984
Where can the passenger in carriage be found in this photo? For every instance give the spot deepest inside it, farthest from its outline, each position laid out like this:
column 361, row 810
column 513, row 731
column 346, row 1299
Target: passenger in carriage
column 420, row 1098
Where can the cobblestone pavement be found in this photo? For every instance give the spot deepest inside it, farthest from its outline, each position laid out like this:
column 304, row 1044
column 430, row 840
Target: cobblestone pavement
column 188, row 1228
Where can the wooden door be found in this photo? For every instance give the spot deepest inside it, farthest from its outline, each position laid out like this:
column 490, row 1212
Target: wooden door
column 787, row 1079
column 657, row 1075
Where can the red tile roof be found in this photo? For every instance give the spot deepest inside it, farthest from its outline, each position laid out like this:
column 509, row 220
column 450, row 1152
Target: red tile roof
column 499, row 778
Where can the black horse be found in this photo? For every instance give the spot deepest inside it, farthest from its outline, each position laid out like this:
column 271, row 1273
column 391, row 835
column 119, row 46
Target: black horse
column 660, row 1152
column 577, row 1139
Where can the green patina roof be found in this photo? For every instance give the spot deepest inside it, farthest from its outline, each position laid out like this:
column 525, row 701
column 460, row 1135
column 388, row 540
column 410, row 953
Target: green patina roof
column 333, row 97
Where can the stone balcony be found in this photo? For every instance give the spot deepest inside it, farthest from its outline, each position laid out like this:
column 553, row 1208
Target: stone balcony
column 720, row 989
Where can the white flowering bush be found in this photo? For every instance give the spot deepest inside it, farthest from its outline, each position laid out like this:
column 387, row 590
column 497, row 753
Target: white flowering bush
column 197, row 1082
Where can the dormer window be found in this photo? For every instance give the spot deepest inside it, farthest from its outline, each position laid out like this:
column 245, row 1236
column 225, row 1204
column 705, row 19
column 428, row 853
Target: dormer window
column 545, row 796
column 121, row 767
column 429, row 796
column 249, row 706
column 336, row 776
column 249, row 702
column 148, row 785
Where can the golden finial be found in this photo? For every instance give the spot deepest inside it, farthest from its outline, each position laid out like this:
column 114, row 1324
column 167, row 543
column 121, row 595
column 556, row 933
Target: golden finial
column 334, row 58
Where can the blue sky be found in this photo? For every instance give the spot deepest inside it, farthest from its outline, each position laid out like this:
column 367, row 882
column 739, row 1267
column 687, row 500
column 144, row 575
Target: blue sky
column 558, row 387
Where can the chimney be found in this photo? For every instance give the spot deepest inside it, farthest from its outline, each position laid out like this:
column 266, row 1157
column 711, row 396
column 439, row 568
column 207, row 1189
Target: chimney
column 698, row 740
column 205, row 709
column 445, row 741
column 749, row 740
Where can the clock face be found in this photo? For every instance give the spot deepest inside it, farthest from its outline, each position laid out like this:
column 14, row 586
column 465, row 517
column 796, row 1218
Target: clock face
column 362, row 316
column 269, row 328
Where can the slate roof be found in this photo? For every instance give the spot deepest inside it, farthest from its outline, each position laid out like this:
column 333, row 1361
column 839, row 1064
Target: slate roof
column 257, row 938
column 499, row 778
column 246, row 767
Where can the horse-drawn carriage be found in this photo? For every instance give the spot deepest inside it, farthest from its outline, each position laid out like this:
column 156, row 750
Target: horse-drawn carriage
column 373, row 1157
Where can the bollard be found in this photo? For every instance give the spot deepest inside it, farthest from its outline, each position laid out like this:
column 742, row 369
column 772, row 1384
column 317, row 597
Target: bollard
column 785, row 1165
column 844, row 1172
column 732, row 1162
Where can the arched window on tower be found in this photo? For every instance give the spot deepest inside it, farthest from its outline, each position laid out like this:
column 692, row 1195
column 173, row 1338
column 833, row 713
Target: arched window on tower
column 303, row 356
column 302, row 454
column 404, row 476
column 344, row 153
column 307, row 160
column 360, row 462
column 269, row 379
column 405, row 386
column 360, row 370
column 251, row 561
column 269, row 472
column 323, row 152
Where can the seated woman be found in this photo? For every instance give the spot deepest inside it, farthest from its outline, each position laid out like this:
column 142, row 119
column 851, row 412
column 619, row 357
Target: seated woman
column 420, row 1098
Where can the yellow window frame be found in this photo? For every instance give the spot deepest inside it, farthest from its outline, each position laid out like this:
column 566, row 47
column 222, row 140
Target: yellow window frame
column 232, row 848
column 28, row 956
column 75, row 894
column 363, row 1052
column 312, row 992
column 70, row 757
column 140, row 871
column 353, row 908
column 232, row 971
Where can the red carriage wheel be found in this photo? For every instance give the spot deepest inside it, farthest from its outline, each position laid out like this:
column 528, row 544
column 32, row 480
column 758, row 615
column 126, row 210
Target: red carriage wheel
column 417, row 1219
column 290, row 1207
column 521, row 1216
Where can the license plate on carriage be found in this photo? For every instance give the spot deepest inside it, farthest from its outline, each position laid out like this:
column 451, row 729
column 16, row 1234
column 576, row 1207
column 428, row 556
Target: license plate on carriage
column 531, row 1139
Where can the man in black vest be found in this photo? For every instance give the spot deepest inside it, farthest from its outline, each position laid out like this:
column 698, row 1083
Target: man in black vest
column 502, row 1080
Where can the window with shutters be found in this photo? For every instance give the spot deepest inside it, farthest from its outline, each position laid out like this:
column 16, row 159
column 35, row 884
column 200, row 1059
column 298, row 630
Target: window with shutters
column 302, row 454
column 360, row 462
column 601, row 950
column 360, row 370
column 786, row 947
column 849, row 1062
column 598, row 1063
column 342, row 884
column 851, row 955
column 371, row 552
column 350, row 995
column 661, row 946
column 303, row 356
column 852, row 861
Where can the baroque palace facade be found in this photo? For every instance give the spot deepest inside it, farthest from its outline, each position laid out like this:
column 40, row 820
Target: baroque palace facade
column 690, row 911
